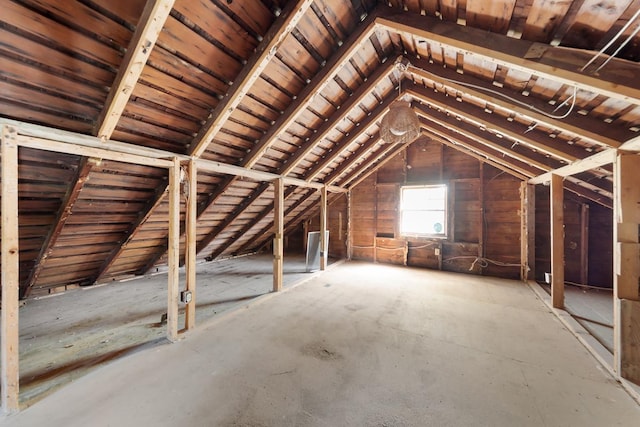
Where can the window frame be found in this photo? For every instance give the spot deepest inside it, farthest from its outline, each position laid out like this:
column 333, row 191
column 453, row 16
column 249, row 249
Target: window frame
column 445, row 232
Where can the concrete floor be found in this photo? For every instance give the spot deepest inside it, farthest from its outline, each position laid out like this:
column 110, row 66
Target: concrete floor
column 360, row 345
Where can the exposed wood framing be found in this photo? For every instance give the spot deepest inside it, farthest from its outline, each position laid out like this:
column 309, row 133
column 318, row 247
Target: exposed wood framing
column 324, row 250
column 10, row 272
column 584, row 244
column 491, row 123
column 597, row 160
column 144, row 39
column 557, row 242
column 626, row 262
column 143, row 215
column 472, row 133
column 363, row 126
column 278, row 238
column 190, row 243
column 527, row 231
column 555, row 63
column 349, row 225
column 352, row 160
column 338, row 60
column 593, row 131
column 100, row 153
column 383, row 72
column 376, row 162
column 631, row 145
column 483, row 155
column 63, row 215
column 267, row 229
column 174, row 251
column 249, row 225
column 246, row 202
column 265, row 52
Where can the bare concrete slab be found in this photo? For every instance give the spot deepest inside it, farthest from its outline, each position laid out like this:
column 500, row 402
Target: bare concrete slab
column 360, row 345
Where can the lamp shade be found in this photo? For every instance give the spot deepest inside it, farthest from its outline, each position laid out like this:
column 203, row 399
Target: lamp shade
column 400, row 124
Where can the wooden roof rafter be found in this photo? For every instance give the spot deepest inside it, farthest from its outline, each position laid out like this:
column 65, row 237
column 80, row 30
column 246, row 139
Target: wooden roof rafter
column 363, row 126
column 555, row 63
column 248, row 226
column 73, row 192
column 147, row 31
column 281, row 28
column 339, row 58
column 265, row 230
column 592, row 131
column 381, row 73
column 490, row 122
column 472, row 134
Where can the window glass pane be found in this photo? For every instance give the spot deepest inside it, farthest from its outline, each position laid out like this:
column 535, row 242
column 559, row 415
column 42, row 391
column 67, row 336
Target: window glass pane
column 422, row 222
column 423, row 210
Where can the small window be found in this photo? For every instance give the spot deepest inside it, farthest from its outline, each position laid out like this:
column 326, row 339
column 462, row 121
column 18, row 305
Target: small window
column 423, row 210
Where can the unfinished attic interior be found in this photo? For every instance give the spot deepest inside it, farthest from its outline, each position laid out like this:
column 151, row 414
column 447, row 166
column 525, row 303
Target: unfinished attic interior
column 185, row 141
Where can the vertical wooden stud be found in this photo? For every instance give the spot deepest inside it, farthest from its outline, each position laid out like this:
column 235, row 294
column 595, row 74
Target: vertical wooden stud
column 173, row 251
column 584, row 244
column 278, row 220
column 626, row 260
column 9, row 336
column 527, row 230
column 190, row 243
column 349, row 225
column 557, row 242
column 323, row 228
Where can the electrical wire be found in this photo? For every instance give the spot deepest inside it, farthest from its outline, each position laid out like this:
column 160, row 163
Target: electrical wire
column 608, row 45
column 514, row 100
column 482, row 262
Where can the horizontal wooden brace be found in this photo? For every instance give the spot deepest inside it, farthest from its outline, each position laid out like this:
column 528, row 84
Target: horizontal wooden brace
column 597, row 160
column 44, row 138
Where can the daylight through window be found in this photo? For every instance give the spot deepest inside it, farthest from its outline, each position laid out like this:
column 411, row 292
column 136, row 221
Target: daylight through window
column 423, row 210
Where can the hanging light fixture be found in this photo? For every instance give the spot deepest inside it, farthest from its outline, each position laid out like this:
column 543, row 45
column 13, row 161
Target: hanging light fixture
column 400, row 125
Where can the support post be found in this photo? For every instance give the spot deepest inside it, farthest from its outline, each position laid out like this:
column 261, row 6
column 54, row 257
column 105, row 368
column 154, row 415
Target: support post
column 278, row 242
column 626, row 263
column 584, row 244
column 527, row 231
column 173, row 251
column 323, row 228
column 557, row 242
column 9, row 356
column 349, row 231
column 190, row 243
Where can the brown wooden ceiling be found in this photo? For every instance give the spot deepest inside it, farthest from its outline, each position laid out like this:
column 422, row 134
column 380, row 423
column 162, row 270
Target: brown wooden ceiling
column 293, row 88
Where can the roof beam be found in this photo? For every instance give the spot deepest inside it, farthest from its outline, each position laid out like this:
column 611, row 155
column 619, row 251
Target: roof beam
column 71, row 196
column 632, row 144
column 269, row 226
column 592, row 131
column 507, row 167
column 554, row 63
column 248, row 226
column 246, row 202
column 339, row 148
column 471, row 114
column 457, row 129
column 338, row 60
column 592, row 162
column 134, row 227
column 153, row 17
column 265, row 52
column 383, row 72
column 352, row 160
column 374, row 163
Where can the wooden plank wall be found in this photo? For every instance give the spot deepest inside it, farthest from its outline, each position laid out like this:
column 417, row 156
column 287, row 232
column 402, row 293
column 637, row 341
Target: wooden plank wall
column 588, row 242
column 474, row 188
column 336, row 224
